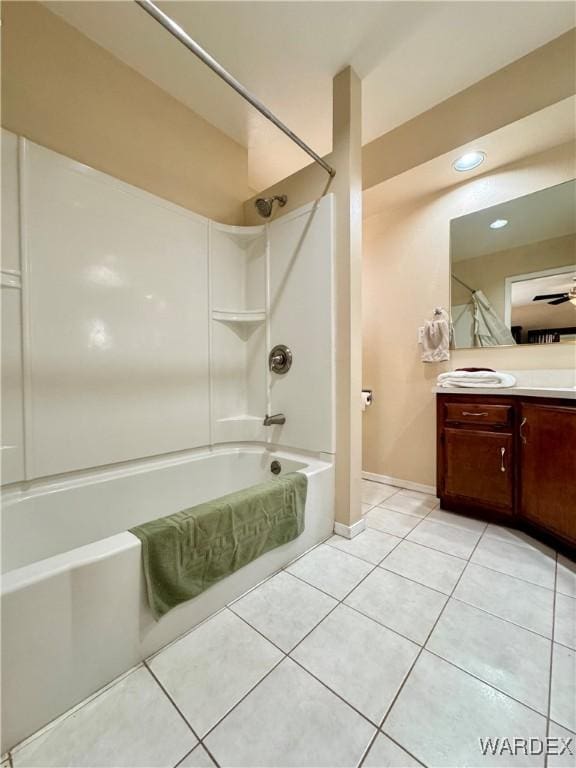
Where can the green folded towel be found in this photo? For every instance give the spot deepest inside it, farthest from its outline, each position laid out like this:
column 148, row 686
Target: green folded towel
column 185, row 553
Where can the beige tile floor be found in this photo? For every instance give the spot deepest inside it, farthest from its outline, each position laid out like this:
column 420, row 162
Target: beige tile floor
column 401, row 647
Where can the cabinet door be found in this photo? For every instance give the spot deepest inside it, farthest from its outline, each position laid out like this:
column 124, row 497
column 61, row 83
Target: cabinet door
column 548, row 467
column 479, row 466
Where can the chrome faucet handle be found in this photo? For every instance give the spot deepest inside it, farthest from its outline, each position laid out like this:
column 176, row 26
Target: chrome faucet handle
column 280, row 359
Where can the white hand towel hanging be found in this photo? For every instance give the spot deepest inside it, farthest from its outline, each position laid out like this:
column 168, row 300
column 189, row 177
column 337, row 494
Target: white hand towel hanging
column 436, row 338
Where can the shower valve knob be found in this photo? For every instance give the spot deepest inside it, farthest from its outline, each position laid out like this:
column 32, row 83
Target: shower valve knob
column 280, row 359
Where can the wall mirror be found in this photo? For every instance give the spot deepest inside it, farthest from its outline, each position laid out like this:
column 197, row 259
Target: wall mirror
column 513, row 271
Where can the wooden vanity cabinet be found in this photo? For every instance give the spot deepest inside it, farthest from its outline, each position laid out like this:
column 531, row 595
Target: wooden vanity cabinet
column 511, row 460
column 479, row 468
column 548, row 467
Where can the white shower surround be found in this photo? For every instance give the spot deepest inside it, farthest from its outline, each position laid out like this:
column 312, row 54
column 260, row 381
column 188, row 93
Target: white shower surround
column 137, row 394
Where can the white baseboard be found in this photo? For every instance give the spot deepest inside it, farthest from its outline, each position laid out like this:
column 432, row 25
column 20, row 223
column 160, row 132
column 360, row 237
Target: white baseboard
column 349, row 531
column 396, row 481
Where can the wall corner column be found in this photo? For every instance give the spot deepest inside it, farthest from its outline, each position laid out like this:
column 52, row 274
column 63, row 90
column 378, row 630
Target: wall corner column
column 347, row 188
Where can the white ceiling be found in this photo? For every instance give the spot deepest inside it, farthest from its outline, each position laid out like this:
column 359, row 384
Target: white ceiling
column 410, row 55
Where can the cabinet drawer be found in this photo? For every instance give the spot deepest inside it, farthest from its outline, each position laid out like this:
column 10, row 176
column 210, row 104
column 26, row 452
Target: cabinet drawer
column 474, row 413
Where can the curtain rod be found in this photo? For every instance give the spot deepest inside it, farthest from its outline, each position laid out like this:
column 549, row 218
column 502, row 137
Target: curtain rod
column 462, row 284
column 177, row 31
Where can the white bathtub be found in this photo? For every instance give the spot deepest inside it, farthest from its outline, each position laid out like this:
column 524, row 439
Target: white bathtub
column 74, row 610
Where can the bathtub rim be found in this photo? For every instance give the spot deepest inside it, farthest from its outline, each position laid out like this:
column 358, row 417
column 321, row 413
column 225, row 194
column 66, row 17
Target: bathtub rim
column 39, row 486
column 85, row 554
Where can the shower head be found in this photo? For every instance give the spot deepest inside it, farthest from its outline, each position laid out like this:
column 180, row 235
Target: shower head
column 264, row 205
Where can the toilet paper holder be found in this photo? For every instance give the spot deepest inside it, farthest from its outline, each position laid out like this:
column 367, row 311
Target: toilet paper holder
column 367, row 398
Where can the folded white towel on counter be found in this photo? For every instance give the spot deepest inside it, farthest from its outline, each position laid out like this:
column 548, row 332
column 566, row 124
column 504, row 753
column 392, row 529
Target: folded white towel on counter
column 493, row 379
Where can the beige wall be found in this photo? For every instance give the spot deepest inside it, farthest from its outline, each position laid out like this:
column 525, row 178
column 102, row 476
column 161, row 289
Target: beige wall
column 488, row 272
column 405, row 275
column 63, row 91
column 541, row 78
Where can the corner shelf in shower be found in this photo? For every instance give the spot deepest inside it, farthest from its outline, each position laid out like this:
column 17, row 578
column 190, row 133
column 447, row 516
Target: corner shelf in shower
column 242, row 236
column 244, row 316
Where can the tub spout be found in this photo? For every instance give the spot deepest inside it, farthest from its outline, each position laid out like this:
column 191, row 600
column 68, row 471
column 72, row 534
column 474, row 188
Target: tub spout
column 277, row 418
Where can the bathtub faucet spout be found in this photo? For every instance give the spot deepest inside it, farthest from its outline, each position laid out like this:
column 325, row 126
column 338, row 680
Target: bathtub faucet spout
column 277, row 418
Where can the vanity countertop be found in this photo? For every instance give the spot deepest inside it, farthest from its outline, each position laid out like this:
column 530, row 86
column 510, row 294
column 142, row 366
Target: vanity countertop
column 565, row 393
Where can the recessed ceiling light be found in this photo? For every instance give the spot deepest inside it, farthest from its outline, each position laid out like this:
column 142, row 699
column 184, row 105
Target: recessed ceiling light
column 469, row 161
column 499, row 223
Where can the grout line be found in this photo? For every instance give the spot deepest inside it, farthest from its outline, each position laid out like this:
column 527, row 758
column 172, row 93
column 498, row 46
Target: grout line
column 406, row 678
column 241, row 699
column 502, row 618
column 373, row 739
column 414, row 581
column 295, row 560
column 182, row 636
column 403, row 491
column 389, row 533
column 486, row 682
column 513, row 576
column 357, row 610
column 319, row 588
column 199, row 746
column 339, row 602
column 523, row 542
column 287, row 655
column 405, row 750
column 72, row 711
column 263, row 581
column 551, row 657
column 563, row 645
column 382, row 505
column 442, row 551
column 187, row 755
column 282, row 651
column 170, row 699
column 433, row 549
column 564, row 727
column 394, row 493
column 232, row 602
column 210, row 754
column 385, row 626
column 363, row 559
column 338, row 695
column 427, row 546
column 368, row 748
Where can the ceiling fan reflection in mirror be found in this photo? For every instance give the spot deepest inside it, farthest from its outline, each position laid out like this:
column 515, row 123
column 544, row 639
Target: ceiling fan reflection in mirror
column 558, row 298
